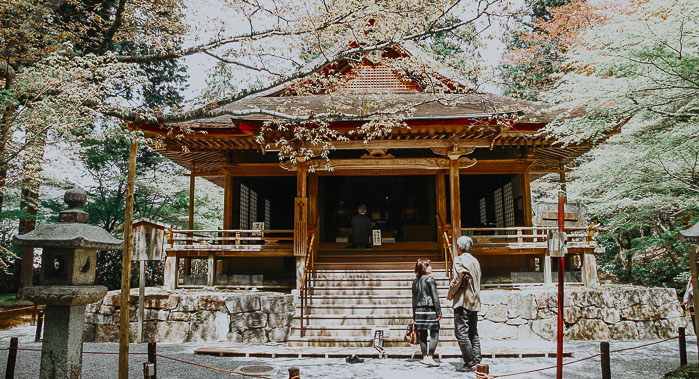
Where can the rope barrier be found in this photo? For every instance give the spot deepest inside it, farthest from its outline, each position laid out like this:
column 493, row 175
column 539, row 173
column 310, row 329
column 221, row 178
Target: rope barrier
column 84, row 352
column 16, row 309
column 546, row 368
column 644, row 345
column 212, row 368
column 486, row 376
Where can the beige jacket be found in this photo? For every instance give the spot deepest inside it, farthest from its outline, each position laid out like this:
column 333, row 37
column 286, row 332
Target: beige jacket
column 468, row 297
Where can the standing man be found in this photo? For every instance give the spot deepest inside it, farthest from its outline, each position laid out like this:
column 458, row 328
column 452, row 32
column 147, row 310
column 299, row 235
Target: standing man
column 465, row 291
column 361, row 228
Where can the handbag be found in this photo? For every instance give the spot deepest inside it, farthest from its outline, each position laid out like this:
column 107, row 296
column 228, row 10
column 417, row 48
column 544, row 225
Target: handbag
column 410, row 334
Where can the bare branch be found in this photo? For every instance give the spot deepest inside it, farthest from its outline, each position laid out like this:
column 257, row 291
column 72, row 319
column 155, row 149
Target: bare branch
column 118, row 16
column 241, row 64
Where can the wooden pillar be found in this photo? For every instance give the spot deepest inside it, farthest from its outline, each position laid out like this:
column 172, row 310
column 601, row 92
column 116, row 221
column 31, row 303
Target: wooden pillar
column 547, row 270
column 192, row 180
column 170, row 272
column 440, row 196
column 527, row 198
column 313, row 216
column 589, row 270
column 562, row 176
column 300, row 221
column 228, row 201
column 455, row 197
column 211, row 270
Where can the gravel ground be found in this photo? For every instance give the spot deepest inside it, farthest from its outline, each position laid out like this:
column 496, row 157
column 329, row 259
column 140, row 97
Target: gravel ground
column 647, row 362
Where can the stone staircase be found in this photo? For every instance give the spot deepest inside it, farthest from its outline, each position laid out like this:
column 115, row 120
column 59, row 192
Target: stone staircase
column 346, row 304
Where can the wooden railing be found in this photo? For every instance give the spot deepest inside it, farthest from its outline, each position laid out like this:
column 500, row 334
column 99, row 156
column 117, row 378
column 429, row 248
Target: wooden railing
column 236, row 238
column 448, row 254
column 443, row 229
column 529, row 237
column 308, row 276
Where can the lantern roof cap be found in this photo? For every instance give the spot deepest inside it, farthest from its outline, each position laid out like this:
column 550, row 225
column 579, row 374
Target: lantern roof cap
column 690, row 234
column 72, row 230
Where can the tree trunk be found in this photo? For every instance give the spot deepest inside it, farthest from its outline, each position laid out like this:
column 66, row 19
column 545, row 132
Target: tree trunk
column 29, row 202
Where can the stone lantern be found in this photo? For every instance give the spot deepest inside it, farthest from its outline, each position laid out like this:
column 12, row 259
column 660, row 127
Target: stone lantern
column 67, row 277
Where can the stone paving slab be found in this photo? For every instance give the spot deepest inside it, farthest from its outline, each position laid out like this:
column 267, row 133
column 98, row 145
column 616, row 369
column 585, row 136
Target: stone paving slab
column 489, row 349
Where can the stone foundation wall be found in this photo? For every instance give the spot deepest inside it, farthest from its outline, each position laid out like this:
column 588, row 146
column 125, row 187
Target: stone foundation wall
column 604, row 313
column 181, row 316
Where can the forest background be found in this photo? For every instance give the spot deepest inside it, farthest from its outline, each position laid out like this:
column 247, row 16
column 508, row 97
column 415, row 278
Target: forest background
column 635, row 62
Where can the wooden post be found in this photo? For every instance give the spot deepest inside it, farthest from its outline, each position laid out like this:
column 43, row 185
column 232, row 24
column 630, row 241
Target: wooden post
column 294, row 373
column 228, row 202
column 152, row 358
column 683, row 347
column 126, row 267
column 589, row 270
column 12, row 359
column 561, row 289
column 695, row 285
column 141, row 295
column 548, row 277
column 190, row 224
column 313, row 199
column 455, row 197
column 211, row 270
column 605, row 360
column 482, row 370
column 170, row 272
column 39, row 326
column 192, row 179
column 300, row 221
column 527, row 198
column 440, row 196
column 35, row 310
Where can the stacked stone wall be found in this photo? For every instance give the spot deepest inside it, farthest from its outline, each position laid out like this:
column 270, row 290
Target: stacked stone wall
column 614, row 312
column 179, row 316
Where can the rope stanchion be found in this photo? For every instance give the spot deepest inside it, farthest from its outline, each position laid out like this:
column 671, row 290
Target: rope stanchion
column 212, row 368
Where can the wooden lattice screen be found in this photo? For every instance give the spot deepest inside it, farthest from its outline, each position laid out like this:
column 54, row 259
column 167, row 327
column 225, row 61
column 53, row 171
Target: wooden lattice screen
column 367, row 76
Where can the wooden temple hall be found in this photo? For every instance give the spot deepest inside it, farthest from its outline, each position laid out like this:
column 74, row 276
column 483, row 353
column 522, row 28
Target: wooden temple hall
column 459, row 168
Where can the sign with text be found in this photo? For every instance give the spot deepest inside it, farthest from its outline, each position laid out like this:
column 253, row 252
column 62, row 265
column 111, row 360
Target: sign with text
column 376, row 237
column 557, row 244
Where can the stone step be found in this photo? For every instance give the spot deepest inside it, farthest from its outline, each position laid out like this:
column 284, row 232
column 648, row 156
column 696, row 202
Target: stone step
column 363, row 265
column 363, row 320
column 359, row 290
column 364, row 274
column 367, row 300
column 377, row 282
column 359, row 342
column 365, row 309
column 396, row 331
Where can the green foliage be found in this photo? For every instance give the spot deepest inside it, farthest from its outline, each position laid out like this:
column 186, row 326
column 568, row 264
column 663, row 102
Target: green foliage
column 526, row 79
column 635, row 77
column 108, row 274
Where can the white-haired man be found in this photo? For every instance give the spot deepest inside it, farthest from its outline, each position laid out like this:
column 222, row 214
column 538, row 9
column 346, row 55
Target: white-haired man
column 464, row 290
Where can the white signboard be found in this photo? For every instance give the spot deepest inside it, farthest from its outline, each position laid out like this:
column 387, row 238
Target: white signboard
column 376, row 237
column 258, row 225
column 557, row 244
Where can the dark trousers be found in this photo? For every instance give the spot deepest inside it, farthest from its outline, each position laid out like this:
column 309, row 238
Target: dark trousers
column 466, row 330
column 434, row 340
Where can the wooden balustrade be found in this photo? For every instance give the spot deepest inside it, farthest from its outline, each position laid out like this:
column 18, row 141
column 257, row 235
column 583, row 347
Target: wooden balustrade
column 534, row 237
column 199, row 239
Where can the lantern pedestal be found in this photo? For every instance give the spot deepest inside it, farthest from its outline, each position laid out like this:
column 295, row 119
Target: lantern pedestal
column 68, row 276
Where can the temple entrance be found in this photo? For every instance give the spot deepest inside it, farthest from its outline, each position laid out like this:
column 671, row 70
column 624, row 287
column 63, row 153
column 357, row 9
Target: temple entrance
column 402, row 207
